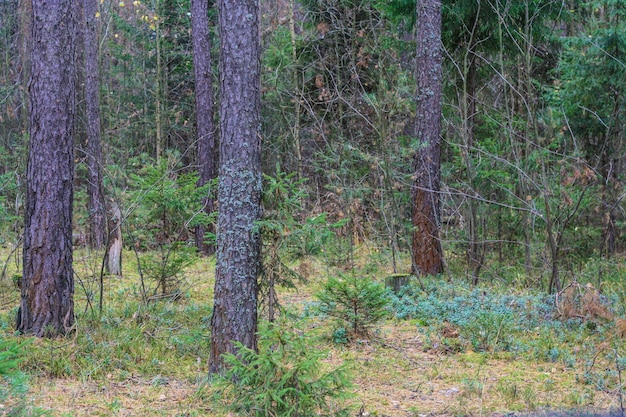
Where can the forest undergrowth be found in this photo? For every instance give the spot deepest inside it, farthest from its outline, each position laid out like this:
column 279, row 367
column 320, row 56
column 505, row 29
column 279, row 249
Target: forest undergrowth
column 438, row 346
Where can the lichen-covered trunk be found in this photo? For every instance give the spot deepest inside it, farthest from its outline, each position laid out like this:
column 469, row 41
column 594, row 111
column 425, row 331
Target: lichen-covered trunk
column 47, row 303
column 205, row 129
column 239, row 191
column 96, row 205
column 426, row 244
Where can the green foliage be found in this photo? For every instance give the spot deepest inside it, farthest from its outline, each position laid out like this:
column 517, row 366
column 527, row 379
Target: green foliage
column 9, row 357
column 486, row 321
column 282, row 202
column 318, row 236
column 169, row 205
column 588, row 99
column 9, row 200
column 286, row 378
column 168, row 201
column 13, row 383
column 158, row 340
column 166, row 267
column 148, row 46
column 288, row 234
column 592, row 77
column 455, row 317
column 340, row 336
column 357, row 302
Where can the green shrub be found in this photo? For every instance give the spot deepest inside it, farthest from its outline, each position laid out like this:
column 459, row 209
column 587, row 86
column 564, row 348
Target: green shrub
column 167, row 204
column 357, row 302
column 285, row 378
column 282, row 203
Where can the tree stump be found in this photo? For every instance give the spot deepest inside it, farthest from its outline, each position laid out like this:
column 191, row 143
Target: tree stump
column 397, row 281
column 114, row 246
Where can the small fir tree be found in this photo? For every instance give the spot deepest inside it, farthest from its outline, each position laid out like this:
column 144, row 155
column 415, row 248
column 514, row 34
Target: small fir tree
column 357, row 302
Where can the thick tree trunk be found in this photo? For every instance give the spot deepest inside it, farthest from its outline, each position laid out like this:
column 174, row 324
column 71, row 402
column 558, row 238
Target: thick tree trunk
column 239, row 192
column 47, row 304
column 427, row 252
column 205, row 129
column 96, row 205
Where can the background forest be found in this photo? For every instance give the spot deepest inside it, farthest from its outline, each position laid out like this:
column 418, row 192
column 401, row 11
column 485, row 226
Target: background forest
column 532, row 161
column 532, row 153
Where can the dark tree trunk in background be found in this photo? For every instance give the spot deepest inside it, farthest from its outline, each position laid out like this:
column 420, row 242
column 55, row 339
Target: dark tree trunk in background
column 205, row 129
column 47, row 304
column 96, row 205
column 24, row 13
column 239, row 192
column 427, row 252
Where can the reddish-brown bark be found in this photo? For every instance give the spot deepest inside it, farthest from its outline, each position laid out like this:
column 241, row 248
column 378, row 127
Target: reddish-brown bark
column 427, row 252
column 47, row 304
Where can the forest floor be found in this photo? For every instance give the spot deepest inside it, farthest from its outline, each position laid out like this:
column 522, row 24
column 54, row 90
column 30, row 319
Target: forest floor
column 134, row 360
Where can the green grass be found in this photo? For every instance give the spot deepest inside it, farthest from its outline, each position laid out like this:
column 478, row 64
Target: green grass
column 447, row 348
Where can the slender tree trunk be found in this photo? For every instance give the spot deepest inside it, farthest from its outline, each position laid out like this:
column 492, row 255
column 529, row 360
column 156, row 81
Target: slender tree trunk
column 427, row 252
column 47, row 303
column 24, row 12
column 96, row 205
column 476, row 250
column 553, row 240
column 297, row 150
column 610, row 169
column 239, row 193
column 608, row 165
column 159, row 95
column 205, row 128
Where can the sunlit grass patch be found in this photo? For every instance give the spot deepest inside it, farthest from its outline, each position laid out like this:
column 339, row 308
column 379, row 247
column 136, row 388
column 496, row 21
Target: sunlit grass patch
column 445, row 349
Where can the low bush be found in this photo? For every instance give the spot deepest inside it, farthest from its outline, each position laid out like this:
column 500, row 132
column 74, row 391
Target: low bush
column 286, row 377
column 356, row 302
column 486, row 320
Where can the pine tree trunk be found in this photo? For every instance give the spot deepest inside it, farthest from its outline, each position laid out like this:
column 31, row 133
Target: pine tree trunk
column 205, row 129
column 96, row 205
column 427, row 251
column 239, row 192
column 47, row 303
column 24, row 13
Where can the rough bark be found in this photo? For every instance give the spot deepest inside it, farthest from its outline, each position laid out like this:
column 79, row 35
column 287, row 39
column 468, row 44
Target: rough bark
column 239, row 192
column 205, row 128
column 426, row 249
column 47, row 303
column 96, row 204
